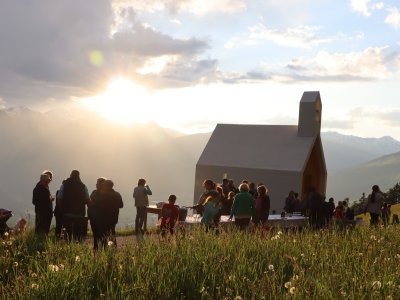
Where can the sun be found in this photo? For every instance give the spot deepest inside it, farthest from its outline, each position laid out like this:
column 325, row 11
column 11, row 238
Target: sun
column 123, row 102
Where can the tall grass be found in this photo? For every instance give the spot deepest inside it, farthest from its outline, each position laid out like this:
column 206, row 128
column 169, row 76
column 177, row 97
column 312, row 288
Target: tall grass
column 360, row 263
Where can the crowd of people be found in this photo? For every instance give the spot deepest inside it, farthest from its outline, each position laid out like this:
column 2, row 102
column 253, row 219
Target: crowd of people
column 71, row 201
column 246, row 204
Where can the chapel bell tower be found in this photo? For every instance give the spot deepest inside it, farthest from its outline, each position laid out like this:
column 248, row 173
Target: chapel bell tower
column 310, row 115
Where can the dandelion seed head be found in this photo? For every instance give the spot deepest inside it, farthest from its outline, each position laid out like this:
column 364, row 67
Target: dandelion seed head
column 376, row 285
column 271, row 267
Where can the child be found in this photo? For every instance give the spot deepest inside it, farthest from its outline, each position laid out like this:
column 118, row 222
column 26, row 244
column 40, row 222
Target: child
column 169, row 216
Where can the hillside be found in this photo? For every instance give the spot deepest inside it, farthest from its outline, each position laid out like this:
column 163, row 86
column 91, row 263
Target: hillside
column 354, row 181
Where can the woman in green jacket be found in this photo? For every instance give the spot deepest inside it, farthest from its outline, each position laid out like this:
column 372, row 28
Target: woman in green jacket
column 243, row 207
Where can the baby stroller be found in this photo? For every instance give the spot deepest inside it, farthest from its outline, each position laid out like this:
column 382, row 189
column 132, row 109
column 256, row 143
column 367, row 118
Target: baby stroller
column 4, row 216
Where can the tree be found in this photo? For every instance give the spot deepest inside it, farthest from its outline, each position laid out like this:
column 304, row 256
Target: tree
column 393, row 194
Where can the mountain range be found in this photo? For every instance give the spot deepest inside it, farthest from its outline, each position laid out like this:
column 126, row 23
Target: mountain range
column 63, row 141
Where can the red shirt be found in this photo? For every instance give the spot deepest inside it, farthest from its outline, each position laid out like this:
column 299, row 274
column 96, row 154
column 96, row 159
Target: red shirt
column 169, row 215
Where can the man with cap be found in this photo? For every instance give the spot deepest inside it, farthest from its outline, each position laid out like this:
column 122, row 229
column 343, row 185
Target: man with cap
column 42, row 200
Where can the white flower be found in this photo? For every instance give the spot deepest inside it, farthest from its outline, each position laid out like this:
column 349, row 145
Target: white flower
column 287, row 284
column 34, row 286
column 110, row 243
column 376, row 285
column 292, row 290
column 62, row 267
column 15, row 264
column 271, row 267
column 9, row 243
column 77, row 258
column 6, row 234
column 54, row 268
column 279, row 232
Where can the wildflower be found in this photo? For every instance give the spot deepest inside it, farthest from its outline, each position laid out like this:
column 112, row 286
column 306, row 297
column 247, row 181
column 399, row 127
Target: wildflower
column 34, row 286
column 287, row 284
column 376, row 285
column 110, row 243
column 279, row 232
column 62, row 267
column 292, row 290
column 271, row 267
column 54, row 268
column 302, row 255
column 6, row 234
column 15, row 264
column 77, row 258
column 295, row 277
column 9, row 243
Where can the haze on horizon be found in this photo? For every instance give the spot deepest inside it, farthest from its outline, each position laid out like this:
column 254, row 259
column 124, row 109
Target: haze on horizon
column 188, row 65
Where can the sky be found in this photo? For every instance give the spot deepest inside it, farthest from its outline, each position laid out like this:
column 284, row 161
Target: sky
column 189, row 64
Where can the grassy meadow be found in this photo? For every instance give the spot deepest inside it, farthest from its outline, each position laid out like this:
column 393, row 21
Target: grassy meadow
column 359, row 263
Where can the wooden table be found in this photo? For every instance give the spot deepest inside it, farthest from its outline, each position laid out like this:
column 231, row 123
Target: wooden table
column 151, row 209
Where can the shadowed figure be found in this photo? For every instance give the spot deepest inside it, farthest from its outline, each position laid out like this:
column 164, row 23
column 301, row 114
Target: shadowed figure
column 107, row 207
column 42, row 200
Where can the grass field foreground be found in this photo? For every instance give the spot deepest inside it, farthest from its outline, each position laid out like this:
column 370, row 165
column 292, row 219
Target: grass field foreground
column 360, row 263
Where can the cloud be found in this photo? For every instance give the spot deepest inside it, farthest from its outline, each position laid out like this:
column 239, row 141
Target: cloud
column 387, row 116
column 195, row 7
column 70, row 48
column 144, row 41
column 393, row 18
column 305, row 37
column 183, row 71
column 337, row 124
column 361, row 7
column 364, row 7
column 3, row 104
column 371, row 64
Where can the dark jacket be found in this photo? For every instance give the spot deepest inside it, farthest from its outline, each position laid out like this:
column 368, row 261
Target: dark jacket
column 74, row 197
column 107, row 207
column 42, row 198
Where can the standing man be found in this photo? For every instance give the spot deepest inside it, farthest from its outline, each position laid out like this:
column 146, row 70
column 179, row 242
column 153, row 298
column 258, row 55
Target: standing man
column 140, row 194
column 74, row 196
column 107, row 207
column 93, row 215
column 42, row 200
